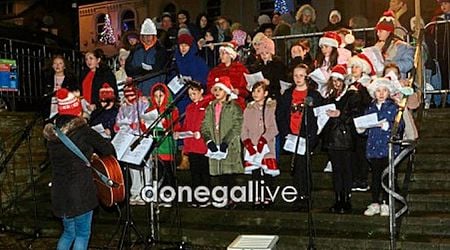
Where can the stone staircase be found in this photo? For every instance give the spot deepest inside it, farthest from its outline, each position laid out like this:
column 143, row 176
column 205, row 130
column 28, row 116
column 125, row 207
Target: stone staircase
column 426, row 225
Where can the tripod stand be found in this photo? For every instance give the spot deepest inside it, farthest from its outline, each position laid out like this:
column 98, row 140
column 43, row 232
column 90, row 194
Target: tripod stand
column 128, row 223
column 25, row 136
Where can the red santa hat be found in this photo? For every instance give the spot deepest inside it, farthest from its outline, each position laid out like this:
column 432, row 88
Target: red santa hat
column 230, row 48
column 106, row 92
column 186, row 39
column 387, row 21
column 130, row 92
column 68, row 103
column 266, row 45
column 224, row 83
column 339, row 71
column 331, row 39
column 362, row 61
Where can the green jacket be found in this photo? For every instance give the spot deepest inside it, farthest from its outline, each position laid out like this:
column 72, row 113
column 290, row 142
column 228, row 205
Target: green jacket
column 229, row 132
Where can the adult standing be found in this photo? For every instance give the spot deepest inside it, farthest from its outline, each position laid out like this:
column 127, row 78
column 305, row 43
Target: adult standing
column 149, row 57
column 93, row 78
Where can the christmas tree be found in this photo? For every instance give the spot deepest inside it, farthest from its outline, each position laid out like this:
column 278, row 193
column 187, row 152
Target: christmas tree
column 107, row 35
column 281, row 6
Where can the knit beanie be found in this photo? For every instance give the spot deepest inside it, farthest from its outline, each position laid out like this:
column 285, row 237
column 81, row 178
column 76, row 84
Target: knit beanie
column 266, row 45
column 186, row 39
column 148, row 27
column 335, row 13
column 106, row 92
column 68, row 103
column 130, row 93
column 387, row 21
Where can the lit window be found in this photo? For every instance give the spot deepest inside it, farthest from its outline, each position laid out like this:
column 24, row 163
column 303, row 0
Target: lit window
column 100, row 25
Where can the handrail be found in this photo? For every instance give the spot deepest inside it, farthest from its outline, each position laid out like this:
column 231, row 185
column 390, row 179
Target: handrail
column 317, row 34
column 435, row 22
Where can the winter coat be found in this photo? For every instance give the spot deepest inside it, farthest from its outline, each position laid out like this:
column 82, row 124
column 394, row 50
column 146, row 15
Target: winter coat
column 228, row 132
column 193, row 66
column 377, row 140
column 236, row 73
column 255, row 126
column 195, row 113
column 102, row 75
column 274, row 71
column 283, row 117
column 339, row 132
column 127, row 119
column 155, row 57
column 401, row 54
column 438, row 41
column 167, row 148
column 73, row 191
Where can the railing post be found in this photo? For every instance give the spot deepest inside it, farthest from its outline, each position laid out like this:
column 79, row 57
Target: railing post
column 391, row 185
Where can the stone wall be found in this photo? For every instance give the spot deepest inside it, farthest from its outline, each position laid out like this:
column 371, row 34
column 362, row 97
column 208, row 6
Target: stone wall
column 15, row 176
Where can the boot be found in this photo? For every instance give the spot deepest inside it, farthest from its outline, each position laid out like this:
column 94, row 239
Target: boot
column 337, row 207
column 184, row 164
column 347, row 202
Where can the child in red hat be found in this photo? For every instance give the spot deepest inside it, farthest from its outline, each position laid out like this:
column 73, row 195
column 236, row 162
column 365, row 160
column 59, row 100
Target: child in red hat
column 107, row 113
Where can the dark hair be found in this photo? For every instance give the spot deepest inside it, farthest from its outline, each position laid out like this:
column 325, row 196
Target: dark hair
column 301, row 66
column 160, row 88
column 186, row 13
column 265, row 88
column 387, row 43
column 392, row 65
column 67, row 66
column 199, row 17
column 195, row 86
column 333, row 58
column 330, row 87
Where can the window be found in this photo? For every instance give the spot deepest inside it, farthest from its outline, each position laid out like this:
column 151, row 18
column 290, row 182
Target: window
column 128, row 21
column 213, row 8
column 100, row 24
column 6, row 8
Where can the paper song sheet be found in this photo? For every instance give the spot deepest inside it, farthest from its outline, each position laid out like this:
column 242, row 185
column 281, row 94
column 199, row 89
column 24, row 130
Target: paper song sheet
column 253, row 78
column 322, row 117
column 257, row 158
column 367, row 121
column 101, row 130
column 284, row 86
column 218, row 155
column 291, row 143
column 122, row 142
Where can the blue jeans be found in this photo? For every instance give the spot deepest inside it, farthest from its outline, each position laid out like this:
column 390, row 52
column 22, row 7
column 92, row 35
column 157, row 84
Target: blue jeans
column 77, row 230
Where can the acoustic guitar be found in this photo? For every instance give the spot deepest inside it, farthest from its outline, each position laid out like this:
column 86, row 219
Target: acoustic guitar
column 111, row 191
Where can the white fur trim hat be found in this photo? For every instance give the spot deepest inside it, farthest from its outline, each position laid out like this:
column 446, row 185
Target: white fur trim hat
column 380, row 82
column 331, row 39
column 362, row 61
column 148, row 27
column 224, row 83
column 339, row 71
column 230, row 49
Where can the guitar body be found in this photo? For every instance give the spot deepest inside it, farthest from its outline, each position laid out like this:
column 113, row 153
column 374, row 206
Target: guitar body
column 108, row 166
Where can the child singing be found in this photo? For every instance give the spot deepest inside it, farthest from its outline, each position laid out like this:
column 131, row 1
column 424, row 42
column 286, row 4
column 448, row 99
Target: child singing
column 107, row 113
column 221, row 129
column 258, row 133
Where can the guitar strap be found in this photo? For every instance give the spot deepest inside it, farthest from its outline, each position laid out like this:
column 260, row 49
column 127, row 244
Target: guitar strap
column 72, row 147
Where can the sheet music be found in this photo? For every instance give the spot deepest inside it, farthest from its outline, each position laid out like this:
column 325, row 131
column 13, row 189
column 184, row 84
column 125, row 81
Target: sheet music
column 122, row 142
column 367, row 121
column 374, row 54
column 137, row 155
column 177, row 83
column 253, row 78
column 257, row 158
column 218, row 155
column 291, row 142
column 284, row 86
column 101, row 130
column 322, row 117
column 185, row 134
column 147, row 66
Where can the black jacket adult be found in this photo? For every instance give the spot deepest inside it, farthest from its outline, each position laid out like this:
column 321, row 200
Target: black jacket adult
column 102, row 75
column 339, row 132
column 274, row 71
column 283, row 117
column 73, row 190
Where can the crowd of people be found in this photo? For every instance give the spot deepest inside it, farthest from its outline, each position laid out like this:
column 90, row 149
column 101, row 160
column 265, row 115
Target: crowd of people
column 236, row 125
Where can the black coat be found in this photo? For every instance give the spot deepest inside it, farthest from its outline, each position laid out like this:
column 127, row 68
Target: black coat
column 102, row 75
column 339, row 132
column 73, row 189
column 283, row 117
column 274, row 71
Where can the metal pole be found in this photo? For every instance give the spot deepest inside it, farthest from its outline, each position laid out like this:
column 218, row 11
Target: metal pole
column 391, row 197
column 418, row 55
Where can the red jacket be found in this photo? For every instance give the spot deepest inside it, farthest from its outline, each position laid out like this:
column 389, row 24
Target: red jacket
column 236, row 73
column 195, row 113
